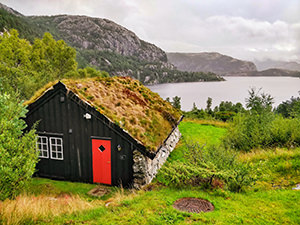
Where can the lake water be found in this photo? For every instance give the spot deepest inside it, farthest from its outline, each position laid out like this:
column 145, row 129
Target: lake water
column 234, row 89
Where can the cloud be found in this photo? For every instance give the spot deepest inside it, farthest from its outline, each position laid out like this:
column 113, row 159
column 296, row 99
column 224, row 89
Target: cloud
column 236, row 36
column 245, row 29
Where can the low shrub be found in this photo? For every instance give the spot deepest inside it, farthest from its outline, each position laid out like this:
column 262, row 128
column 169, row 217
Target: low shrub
column 259, row 127
column 289, row 108
column 285, row 132
column 208, row 167
column 249, row 130
column 181, row 174
column 252, row 130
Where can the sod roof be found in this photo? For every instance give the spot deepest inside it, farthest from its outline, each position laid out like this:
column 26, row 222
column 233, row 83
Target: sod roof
column 129, row 104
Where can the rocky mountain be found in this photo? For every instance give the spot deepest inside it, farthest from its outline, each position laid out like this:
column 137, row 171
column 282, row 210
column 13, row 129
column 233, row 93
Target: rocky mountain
column 104, row 45
column 268, row 64
column 210, row 62
column 87, row 33
column 99, row 34
column 274, row 72
column 10, row 10
column 227, row 66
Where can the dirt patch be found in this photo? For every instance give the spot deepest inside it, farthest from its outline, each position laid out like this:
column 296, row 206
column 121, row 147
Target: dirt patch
column 134, row 97
column 193, row 205
column 98, row 191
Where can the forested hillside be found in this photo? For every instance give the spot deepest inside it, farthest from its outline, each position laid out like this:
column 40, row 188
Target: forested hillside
column 210, row 62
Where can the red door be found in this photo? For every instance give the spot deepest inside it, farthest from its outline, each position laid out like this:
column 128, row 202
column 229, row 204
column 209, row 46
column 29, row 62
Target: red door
column 101, row 161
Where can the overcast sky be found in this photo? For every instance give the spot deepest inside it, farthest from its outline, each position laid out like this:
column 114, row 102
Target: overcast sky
column 246, row 29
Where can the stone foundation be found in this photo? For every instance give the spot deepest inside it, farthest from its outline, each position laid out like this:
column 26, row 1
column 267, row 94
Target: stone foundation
column 145, row 169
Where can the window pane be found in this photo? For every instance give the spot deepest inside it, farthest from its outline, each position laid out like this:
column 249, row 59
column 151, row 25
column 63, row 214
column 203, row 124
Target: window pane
column 56, row 148
column 42, row 146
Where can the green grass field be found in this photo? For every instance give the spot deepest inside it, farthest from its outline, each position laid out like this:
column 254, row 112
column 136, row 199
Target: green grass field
column 270, row 201
column 193, row 131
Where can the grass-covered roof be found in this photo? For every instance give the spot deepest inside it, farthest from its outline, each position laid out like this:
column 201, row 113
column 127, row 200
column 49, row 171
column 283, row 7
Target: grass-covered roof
column 131, row 105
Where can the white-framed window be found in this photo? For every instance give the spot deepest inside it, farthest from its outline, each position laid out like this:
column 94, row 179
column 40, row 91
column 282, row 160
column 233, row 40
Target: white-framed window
column 42, row 146
column 56, row 148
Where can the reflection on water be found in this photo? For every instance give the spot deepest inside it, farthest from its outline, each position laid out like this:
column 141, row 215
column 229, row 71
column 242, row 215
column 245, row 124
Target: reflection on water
column 234, row 89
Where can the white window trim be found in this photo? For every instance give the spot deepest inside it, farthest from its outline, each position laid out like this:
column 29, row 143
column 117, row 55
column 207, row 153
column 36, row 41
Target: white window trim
column 42, row 150
column 55, row 145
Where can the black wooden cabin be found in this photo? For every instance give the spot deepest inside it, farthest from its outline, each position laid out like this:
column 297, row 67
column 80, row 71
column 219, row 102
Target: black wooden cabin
column 78, row 143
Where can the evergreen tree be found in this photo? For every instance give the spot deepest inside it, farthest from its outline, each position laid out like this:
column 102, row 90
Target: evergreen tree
column 176, row 102
column 208, row 105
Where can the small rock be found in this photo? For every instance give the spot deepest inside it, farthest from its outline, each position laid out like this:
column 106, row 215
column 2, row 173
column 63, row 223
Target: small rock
column 297, row 187
column 98, row 191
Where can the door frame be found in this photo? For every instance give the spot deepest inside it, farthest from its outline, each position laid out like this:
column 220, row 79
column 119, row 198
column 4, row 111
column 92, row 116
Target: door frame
column 105, row 139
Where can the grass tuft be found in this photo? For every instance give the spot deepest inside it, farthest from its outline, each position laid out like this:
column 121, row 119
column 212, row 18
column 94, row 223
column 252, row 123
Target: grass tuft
column 215, row 123
column 39, row 93
column 28, row 208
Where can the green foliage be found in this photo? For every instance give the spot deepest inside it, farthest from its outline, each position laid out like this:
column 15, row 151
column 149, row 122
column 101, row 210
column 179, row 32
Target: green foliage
column 259, row 102
column 252, row 129
column 196, row 114
column 54, row 59
column 248, row 131
column 285, row 132
column 181, row 174
column 225, row 111
column 289, row 108
column 91, row 72
column 208, row 104
column 229, row 107
column 260, row 127
column 26, row 67
column 176, row 102
column 18, row 154
column 208, row 167
column 224, row 116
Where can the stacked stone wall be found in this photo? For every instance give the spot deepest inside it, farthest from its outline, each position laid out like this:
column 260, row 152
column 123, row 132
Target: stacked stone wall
column 145, row 169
